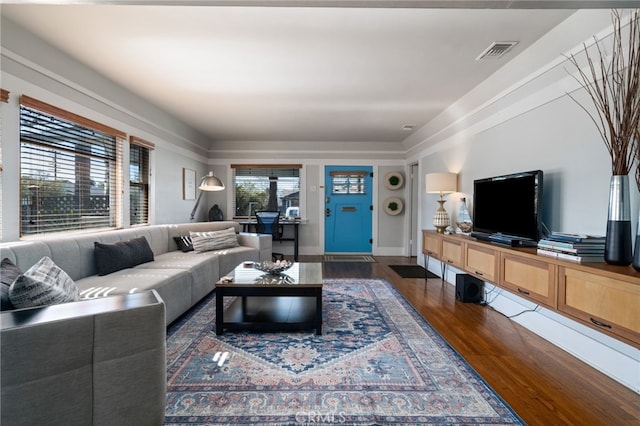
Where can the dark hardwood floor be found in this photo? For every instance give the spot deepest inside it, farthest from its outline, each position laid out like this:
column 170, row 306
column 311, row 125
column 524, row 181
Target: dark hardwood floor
column 542, row 383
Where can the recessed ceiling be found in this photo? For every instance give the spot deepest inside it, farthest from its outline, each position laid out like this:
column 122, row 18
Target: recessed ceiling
column 290, row 73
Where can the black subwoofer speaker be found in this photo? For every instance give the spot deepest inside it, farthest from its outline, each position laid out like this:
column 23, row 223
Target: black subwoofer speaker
column 468, row 288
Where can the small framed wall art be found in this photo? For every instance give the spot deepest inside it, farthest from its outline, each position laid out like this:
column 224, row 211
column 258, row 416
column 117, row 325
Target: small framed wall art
column 188, row 184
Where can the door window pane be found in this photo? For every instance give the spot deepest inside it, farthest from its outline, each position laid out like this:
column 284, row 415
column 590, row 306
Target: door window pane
column 348, row 183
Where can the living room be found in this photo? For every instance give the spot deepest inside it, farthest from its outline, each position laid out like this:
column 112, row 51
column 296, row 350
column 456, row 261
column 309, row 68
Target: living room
column 516, row 119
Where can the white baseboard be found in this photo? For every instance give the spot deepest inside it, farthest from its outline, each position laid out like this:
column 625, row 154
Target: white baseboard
column 611, row 357
column 389, row 251
column 317, row 251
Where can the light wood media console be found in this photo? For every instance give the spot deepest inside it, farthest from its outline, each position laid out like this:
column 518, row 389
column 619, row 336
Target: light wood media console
column 601, row 296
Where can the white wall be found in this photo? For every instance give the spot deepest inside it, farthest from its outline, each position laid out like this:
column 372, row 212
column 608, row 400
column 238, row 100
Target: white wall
column 389, row 234
column 31, row 67
column 391, row 229
column 530, row 123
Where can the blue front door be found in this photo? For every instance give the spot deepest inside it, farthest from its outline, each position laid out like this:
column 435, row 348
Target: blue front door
column 348, row 214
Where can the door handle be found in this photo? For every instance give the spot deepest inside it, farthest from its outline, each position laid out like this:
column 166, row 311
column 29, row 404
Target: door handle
column 327, row 212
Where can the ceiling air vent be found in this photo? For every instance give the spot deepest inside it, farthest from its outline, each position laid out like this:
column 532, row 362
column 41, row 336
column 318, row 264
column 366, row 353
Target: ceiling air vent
column 496, row 50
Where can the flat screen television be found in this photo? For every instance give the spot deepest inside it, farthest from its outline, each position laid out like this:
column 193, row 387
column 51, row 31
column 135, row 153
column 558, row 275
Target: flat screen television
column 508, row 205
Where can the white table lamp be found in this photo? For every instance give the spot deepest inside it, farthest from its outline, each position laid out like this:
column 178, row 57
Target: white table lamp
column 441, row 183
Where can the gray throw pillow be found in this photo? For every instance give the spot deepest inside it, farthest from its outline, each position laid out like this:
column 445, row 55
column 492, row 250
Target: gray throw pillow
column 43, row 284
column 121, row 255
column 214, row 240
column 8, row 274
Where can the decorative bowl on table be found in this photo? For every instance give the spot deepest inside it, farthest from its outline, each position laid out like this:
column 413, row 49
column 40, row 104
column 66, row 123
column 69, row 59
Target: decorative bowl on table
column 274, row 279
column 269, row 267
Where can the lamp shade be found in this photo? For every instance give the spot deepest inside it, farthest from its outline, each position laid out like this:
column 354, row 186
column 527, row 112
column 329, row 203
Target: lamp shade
column 211, row 183
column 208, row 183
column 441, row 183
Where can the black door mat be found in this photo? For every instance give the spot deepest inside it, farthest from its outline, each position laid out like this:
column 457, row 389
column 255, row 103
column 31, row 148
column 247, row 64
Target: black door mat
column 412, row 271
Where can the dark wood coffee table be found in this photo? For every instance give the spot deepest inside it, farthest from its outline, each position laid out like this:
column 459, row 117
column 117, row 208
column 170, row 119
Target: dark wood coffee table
column 267, row 302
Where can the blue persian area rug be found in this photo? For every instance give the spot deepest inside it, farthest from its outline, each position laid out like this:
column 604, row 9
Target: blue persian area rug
column 378, row 362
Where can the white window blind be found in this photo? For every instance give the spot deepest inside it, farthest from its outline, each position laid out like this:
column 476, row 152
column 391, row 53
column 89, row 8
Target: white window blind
column 139, row 172
column 4, row 98
column 70, row 177
column 265, row 187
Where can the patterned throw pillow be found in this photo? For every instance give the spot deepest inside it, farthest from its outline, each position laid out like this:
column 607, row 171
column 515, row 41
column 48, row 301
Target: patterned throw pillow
column 8, row 274
column 184, row 243
column 214, row 240
column 43, row 284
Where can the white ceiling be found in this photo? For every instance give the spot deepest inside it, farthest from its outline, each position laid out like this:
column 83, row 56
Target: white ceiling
column 293, row 73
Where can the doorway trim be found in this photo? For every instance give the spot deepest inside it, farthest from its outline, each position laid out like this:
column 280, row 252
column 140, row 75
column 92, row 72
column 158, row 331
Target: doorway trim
column 412, row 246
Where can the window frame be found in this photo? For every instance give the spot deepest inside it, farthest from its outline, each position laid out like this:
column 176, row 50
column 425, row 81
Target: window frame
column 4, row 98
column 265, row 171
column 69, row 123
column 145, row 148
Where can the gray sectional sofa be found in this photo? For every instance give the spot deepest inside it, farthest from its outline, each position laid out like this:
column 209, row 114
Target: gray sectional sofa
column 101, row 360
column 181, row 279
column 95, row 362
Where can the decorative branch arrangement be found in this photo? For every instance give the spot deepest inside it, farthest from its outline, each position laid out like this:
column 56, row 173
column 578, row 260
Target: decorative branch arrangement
column 614, row 88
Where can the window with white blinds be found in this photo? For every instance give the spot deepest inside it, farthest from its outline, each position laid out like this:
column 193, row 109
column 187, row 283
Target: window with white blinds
column 258, row 187
column 4, row 98
column 70, row 176
column 139, row 172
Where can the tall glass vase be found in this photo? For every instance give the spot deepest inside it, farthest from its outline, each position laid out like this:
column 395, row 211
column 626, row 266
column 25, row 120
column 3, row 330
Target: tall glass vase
column 464, row 218
column 618, row 249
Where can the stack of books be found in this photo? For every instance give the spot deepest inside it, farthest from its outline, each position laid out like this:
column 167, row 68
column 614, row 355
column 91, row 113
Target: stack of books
column 573, row 247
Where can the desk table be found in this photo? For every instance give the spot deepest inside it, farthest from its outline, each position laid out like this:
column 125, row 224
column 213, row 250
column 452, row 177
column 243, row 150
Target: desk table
column 250, row 226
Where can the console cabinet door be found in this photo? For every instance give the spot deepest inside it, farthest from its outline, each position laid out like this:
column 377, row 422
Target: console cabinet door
column 604, row 303
column 452, row 252
column 431, row 244
column 482, row 261
column 530, row 278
